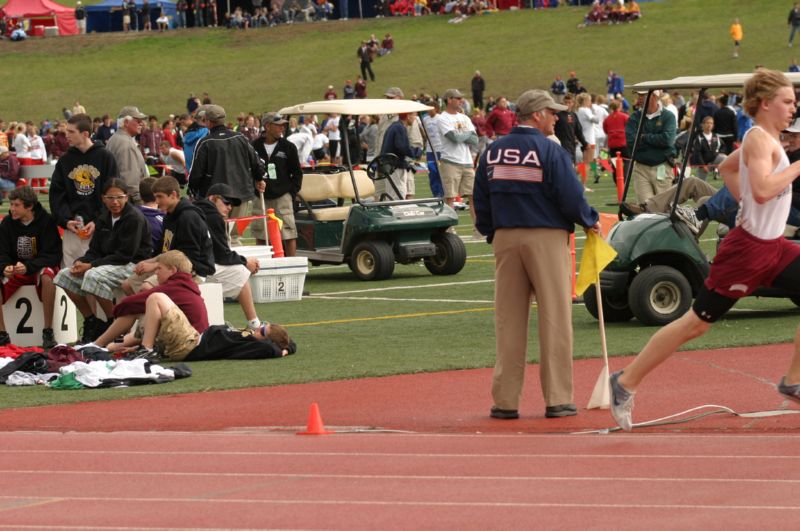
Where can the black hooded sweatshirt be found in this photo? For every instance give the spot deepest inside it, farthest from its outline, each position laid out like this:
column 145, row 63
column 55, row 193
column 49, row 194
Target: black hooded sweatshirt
column 127, row 241
column 223, row 255
column 185, row 230
column 78, row 181
column 37, row 244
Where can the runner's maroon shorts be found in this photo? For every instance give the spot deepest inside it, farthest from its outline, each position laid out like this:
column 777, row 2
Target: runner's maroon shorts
column 744, row 262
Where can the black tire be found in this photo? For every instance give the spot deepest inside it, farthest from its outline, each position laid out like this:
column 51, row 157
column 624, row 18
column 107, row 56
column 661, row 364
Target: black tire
column 450, row 257
column 658, row 295
column 372, row 260
column 615, row 309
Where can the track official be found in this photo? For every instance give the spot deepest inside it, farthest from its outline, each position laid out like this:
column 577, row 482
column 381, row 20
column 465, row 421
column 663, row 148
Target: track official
column 527, row 202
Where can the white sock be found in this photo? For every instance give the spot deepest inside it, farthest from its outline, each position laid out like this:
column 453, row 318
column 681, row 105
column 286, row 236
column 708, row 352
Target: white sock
column 254, row 323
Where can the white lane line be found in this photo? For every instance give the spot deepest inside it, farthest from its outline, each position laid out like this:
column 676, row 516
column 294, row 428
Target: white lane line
column 421, row 286
column 411, row 503
column 363, row 454
column 397, row 300
column 301, row 475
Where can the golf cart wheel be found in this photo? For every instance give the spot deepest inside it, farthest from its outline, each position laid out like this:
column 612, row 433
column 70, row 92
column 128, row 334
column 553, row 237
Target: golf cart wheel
column 450, row 257
column 615, row 309
column 372, row 260
column 658, row 295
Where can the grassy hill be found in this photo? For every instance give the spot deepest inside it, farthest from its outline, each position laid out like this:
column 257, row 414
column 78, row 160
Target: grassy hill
column 263, row 69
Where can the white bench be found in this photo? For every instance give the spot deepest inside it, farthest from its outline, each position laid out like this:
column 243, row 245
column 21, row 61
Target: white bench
column 323, row 186
column 24, row 317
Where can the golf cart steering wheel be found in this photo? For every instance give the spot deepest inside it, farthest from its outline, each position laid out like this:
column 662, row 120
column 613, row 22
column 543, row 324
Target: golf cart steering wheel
column 382, row 166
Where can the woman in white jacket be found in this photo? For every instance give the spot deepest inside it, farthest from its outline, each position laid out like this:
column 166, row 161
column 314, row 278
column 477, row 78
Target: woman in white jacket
column 587, row 120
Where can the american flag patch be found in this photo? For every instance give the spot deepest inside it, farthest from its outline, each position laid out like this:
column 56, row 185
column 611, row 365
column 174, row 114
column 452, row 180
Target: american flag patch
column 517, row 173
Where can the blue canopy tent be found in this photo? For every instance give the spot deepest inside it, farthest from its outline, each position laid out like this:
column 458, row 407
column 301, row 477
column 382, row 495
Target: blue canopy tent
column 107, row 15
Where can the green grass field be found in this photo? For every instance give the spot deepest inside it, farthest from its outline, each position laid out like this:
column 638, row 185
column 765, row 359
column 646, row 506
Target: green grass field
column 265, row 69
column 414, row 322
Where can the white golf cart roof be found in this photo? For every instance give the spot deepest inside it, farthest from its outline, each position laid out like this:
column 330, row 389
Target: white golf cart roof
column 698, row 82
column 356, row 106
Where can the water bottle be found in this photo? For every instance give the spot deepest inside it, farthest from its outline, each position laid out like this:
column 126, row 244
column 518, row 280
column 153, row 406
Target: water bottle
column 80, row 227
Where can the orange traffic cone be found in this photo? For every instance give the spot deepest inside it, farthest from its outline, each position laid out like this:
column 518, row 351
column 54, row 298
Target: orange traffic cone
column 274, row 230
column 315, row 426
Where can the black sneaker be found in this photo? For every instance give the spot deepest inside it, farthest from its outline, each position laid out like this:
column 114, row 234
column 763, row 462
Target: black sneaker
column 48, row 339
column 561, row 410
column 5, row 339
column 630, row 209
column 505, row 414
column 89, row 326
column 101, row 327
column 144, row 353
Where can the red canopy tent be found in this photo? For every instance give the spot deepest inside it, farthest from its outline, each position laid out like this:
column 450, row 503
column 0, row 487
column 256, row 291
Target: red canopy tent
column 43, row 13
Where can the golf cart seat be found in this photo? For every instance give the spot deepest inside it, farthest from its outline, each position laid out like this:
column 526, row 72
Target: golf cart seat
column 336, row 186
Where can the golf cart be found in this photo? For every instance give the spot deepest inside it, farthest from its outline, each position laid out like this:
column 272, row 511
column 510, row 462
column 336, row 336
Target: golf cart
column 660, row 266
column 370, row 235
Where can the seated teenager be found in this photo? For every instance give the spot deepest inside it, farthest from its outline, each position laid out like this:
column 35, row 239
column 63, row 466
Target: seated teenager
column 231, row 269
column 174, row 314
column 121, row 239
column 30, row 254
column 184, row 230
column 149, row 207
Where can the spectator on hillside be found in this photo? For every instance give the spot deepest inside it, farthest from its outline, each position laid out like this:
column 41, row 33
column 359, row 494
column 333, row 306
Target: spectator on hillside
column 330, row 93
column 38, row 150
column 348, row 91
column 181, row 7
column 794, row 22
column 192, row 103
column 361, row 88
column 145, row 12
column 122, row 145
column 478, row 86
column 387, row 45
column 80, row 17
column 737, row 35
column 365, row 61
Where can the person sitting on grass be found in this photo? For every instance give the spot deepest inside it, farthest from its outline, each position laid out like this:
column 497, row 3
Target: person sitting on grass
column 231, row 269
column 174, row 314
column 30, row 254
column 121, row 239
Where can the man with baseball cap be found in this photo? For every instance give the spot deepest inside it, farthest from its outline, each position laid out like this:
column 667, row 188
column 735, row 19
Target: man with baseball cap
column 652, row 162
column 284, row 179
column 225, row 156
column 122, row 144
column 455, row 163
column 527, row 202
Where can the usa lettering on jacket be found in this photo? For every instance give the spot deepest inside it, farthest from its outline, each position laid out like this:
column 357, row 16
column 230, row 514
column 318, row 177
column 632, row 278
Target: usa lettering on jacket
column 512, row 165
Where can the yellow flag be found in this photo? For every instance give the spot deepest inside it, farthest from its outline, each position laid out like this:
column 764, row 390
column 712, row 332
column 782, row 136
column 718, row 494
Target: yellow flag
column 597, row 254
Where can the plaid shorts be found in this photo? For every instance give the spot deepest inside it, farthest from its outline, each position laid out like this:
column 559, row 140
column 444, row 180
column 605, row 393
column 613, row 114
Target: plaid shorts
column 100, row 281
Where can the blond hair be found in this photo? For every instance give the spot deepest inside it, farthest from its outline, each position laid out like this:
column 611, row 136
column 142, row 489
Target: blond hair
column 176, row 260
column 762, row 86
column 583, row 98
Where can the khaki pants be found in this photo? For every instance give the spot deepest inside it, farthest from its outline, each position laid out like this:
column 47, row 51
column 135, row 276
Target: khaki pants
column 242, row 211
column 646, row 181
column 692, row 188
column 532, row 262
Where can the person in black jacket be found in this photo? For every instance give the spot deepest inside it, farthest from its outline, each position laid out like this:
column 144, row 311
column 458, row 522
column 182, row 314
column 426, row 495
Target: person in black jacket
column 284, row 180
column 568, row 128
column 231, row 270
column 75, row 187
column 30, row 253
column 221, row 342
column 706, row 154
column 121, row 238
column 184, row 229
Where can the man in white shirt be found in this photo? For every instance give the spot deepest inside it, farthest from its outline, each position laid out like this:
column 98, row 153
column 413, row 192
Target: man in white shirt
column 455, row 163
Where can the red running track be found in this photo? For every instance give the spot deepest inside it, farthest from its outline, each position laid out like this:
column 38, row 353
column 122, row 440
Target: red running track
column 261, row 480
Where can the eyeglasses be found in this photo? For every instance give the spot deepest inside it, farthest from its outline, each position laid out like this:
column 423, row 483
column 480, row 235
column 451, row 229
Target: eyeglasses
column 225, row 202
column 114, row 197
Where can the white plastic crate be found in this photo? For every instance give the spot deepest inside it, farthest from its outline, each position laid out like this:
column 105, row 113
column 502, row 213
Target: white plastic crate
column 279, row 279
column 262, row 252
